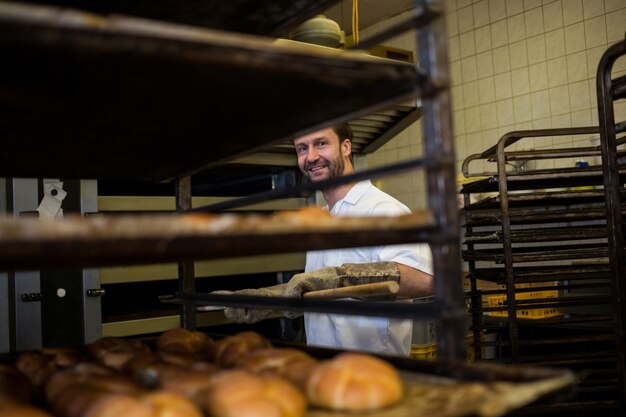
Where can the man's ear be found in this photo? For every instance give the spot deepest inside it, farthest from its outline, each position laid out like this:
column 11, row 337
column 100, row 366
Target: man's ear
column 346, row 148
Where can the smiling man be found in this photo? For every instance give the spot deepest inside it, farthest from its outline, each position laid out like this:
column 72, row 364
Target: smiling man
column 326, row 154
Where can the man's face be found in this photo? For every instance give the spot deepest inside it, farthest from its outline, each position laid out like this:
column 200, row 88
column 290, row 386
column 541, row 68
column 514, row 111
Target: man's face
column 320, row 155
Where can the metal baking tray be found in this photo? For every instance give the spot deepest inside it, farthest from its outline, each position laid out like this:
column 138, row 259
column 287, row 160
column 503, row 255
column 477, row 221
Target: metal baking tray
column 86, row 96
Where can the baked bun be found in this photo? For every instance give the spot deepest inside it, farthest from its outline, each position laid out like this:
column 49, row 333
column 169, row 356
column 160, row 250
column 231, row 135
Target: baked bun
column 238, row 393
column 39, row 365
column 184, row 343
column 14, row 386
column 187, row 382
column 156, row 404
column 115, row 352
column 227, row 351
column 292, row 364
column 21, row 410
column 354, row 382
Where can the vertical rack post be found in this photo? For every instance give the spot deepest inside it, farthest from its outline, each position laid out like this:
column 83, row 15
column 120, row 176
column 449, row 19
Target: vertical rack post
column 441, row 180
column 186, row 273
column 614, row 220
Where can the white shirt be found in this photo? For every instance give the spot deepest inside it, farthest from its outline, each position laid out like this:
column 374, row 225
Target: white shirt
column 373, row 334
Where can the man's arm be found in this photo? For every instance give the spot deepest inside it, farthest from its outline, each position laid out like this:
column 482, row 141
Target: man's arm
column 414, row 283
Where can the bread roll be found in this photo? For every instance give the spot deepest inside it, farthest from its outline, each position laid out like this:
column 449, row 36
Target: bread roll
column 118, row 405
column 167, row 404
column 292, row 364
column 238, row 393
column 14, row 386
column 21, row 410
column 187, row 382
column 185, row 343
column 354, row 382
column 115, row 352
column 39, row 365
column 227, row 351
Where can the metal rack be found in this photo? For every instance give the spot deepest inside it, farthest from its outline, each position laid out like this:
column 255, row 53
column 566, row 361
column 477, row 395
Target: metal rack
column 542, row 237
column 131, row 132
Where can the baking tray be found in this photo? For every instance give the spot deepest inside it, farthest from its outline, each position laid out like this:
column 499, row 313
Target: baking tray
column 259, row 17
column 86, row 96
column 28, row 243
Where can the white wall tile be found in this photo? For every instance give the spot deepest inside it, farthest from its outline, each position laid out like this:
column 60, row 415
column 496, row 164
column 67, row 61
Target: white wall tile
column 484, row 64
column 468, row 66
column 503, row 86
column 501, row 60
column 552, row 16
column 533, row 20
column 577, row 67
column 486, row 90
column 456, row 76
column 595, row 32
column 472, row 120
column 481, row 13
column 483, row 39
column 572, row 11
column 470, row 94
column 542, row 123
column 592, row 8
column 555, row 44
column 593, row 95
column 488, row 116
column 467, row 43
column 616, row 25
column 466, row 19
column 536, row 49
column 579, row 96
column 459, row 122
column 456, row 95
column 612, row 5
column 516, row 28
column 531, row 4
column 452, row 23
column 519, row 55
column 559, row 100
column 540, row 103
column 538, row 76
column 520, row 81
column 454, row 51
column 560, row 121
column 581, row 118
column 522, row 109
column 514, row 7
column 575, row 38
column 499, row 34
column 463, row 3
column 557, row 72
column 504, row 109
column 497, row 10
column 450, row 5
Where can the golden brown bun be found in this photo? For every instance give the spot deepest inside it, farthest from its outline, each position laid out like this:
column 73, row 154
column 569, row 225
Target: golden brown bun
column 186, row 381
column 14, row 386
column 185, row 343
column 118, row 405
column 39, row 365
column 354, row 382
column 146, row 369
column 292, row 364
column 115, row 352
column 238, row 393
column 21, row 410
column 227, row 351
column 167, row 404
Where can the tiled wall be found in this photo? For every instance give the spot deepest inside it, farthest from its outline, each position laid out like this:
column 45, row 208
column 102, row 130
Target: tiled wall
column 514, row 64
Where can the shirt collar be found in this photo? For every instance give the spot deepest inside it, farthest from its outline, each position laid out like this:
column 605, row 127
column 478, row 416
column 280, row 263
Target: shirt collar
column 354, row 195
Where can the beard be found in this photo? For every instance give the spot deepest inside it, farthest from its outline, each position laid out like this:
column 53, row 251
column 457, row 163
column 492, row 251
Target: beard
column 335, row 168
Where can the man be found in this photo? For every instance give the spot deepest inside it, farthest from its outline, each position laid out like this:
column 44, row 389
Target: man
column 326, row 154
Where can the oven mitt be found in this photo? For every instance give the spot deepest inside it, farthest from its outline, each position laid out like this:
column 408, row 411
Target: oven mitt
column 320, row 279
column 334, row 277
column 251, row 315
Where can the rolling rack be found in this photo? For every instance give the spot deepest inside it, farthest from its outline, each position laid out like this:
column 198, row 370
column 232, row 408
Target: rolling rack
column 543, row 235
column 81, row 90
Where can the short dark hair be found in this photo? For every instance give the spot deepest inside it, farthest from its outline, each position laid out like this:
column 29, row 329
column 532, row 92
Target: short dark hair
column 343, row 131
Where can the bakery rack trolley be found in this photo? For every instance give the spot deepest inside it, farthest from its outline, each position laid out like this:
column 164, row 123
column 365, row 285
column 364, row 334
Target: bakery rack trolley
column 113, row 94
